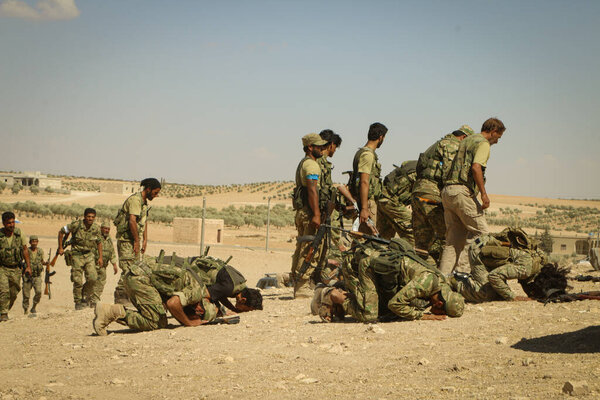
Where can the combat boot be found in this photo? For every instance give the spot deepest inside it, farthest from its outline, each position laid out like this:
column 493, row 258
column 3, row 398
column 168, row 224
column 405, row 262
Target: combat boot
column 80, row 306
column 25, row 311
column 33, row 310
column 104, row 314
column 3, row 317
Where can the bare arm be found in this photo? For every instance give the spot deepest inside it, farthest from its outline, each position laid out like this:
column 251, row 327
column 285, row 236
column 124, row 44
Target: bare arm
column 176, row 309
column 343, row 189
column 313, row 202
column 27, row 263
column 61, row 236
column 364, row 197
column 134, row 232
column 100, row 261
column 478, row 178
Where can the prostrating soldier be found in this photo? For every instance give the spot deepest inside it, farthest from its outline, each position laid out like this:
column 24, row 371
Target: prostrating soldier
column 463, row 213
column 393, row 207
column 427, row 211
column 132, row 230
column 365, row 182
column 108, row 256
column 36, row 260
column 308, row 205
column 85, row 242
column 13, row 251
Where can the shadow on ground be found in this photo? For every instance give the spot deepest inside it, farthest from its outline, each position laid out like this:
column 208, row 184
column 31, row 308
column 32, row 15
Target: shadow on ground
column 585, row 340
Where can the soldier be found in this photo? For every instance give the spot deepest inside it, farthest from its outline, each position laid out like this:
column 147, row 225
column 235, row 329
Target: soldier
column 12, row 251
column 393, row 213
column 496, row 258
column 108, row 256
column 36, row 260
column 365, row 182
column 427, row 210
column 306, row 202
column 85, row 242
column 131, row 224
column 463, row 214
column 384, row 279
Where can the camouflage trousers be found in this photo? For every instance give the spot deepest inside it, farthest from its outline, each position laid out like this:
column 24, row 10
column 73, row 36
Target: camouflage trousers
column 84, row 264
column 407, row 303
column 150, row 313
column 484, row 285
column 10, row 286
column 429, row 227
column 301, row 283
column 338, row 241
column 362, row 302
column 35, row 283
column 394, row 218
column 100, row 283
column 126, row 257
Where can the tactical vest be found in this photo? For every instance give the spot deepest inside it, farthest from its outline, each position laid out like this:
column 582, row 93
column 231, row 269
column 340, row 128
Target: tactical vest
column 400, row 181
column 327, row 192
column 300, row 195
column 460, row 171
column 496, row 250
column 36, row 258
column 107, row 251
column 208, row 267
column 375, row 186
column 440, row 154
column 121, row 221
column 11, row 254
column 83, row 240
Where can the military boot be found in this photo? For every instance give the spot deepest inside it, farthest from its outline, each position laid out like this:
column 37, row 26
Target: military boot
column 104, row 314
column 33, row 310
column 3, row 317
column 80, row 306
column 25, row 311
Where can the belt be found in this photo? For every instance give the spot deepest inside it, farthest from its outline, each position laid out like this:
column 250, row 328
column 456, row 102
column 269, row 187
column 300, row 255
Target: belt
column 11, row 266
column 429, row 201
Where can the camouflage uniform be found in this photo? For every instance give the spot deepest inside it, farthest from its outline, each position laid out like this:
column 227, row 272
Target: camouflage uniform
column 492, row 264
column 148, row 289
column 108, row 256
column 427, row 211
column 36, row 259
column 84, row 241
column 134, row 205
column 393, row 212
column 365, row 160
column 11, row 254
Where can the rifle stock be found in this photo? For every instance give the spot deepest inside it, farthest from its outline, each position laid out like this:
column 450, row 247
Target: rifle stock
column 48, row 274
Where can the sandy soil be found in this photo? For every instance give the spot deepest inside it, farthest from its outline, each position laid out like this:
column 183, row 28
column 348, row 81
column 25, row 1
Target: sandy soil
column 496, row 350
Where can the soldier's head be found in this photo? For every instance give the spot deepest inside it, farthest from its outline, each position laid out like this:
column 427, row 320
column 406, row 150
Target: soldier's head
column 105, row 229
column 333, row 141
column 550, row 282
column 248, row 300
column 492, row 129
column 150, row 188
column 8, row 220
column 313, row 145
column 447, row 302
column 89, row 215
column 463, row 132
column 33, row 241
column 377, row 132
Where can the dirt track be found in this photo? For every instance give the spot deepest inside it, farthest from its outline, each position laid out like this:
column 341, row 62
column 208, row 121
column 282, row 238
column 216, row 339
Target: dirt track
column 496, row 350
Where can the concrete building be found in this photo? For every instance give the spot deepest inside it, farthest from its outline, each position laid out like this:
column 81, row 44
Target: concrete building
column 189, row 230
column 28, row 178
column 119, row 187
column 570, row 244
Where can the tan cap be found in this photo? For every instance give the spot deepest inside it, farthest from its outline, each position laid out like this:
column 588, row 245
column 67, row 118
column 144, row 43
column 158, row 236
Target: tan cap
column 312, row 139
column 467, row 130
column 105, row 225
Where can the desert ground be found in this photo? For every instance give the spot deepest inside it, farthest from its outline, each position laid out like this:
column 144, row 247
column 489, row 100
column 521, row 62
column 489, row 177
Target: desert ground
column 517, row 350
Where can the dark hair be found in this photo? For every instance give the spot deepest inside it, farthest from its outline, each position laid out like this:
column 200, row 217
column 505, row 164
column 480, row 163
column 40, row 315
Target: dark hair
column 253, row 298
column 7, row 215
column 376, row 130
column 89, row 211
column 493, row 125
column 459, row 133
column 327, row 135
column 305, row 148
column 337, row 140
column 151, row 183
column 550, row 282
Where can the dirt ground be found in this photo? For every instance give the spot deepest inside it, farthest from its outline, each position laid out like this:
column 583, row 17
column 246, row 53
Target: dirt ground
column 495, row 350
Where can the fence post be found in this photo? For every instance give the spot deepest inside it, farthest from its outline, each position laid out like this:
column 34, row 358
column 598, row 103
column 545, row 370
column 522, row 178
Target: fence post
column 268, row 223
column 202, row 229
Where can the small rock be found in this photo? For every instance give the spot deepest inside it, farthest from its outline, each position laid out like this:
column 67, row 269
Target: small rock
column 311, row 340
column 527, row 362
column 55, row 384
column 375, row 329
column 502, row 340
column 309, row 380
column 576, row 388
column 304, row 344
column 449, row 389
column 424, row 361
column 300, row 376
column 117, row 381
column 563, row 320
column 547, row 377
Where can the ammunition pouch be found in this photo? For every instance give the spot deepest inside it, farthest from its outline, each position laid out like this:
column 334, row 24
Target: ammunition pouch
column 69, row 258
column 495, row 256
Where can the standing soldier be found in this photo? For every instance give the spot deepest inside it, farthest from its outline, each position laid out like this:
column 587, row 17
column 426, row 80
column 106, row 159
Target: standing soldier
column 393, row 212
column 462, row 212
column 36, row 260
column 85, row 240
column 307, row 204
column 427, row 210
column 108, row 255
column 131, row 224
column 12, row 251
column 365, row 185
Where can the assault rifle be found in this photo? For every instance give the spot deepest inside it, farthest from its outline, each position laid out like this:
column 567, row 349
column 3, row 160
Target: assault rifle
column 48, row 274
column 586, row 278
column 568, row 297
column 314, row 246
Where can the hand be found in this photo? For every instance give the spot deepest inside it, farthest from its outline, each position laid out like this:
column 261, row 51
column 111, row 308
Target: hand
column 432, row 317
column 522, row 298
column 485, row 201
column 100, row 263
column 136, row 248
column 144, row 246
column 196, row 322
column 28, row 271
column 115, row 268
column 61, row 251
column 364, row 215
column 315, row 221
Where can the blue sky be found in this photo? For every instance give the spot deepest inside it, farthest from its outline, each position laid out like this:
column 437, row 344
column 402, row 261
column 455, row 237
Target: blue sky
column 221, row 92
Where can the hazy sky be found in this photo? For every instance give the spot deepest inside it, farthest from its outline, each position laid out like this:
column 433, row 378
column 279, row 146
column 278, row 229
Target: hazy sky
column 211, row 92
